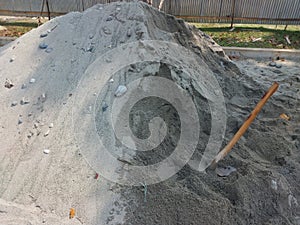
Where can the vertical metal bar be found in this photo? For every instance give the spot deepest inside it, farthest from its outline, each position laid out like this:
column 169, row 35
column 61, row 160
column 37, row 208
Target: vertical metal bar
column 48, row 9
column 221, row 6
column 42, row 9
column 232, row 13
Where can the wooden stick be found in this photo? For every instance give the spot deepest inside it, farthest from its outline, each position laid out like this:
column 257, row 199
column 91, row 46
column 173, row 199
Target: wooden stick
column 245, row 126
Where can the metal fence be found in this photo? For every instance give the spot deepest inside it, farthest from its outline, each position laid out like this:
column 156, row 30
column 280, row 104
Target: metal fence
column 239, row 11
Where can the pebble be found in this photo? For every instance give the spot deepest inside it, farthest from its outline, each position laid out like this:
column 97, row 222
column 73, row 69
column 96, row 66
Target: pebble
column 121, row 90
column 24, row 101
column 44, row 35
column 111, row 80
column 225, row 171
column 278, row 65
column 129, row 33
column 43, row 46
column 12, row 59
column 274, row 185
column 47, row 133
column 32, row 80
column 106, row 30
column 272, row 64
column 20, row 120
column 14, row 103
column 43, row 97
column 48, row 50
column 8, row 84
column 46, row 151
column 104, row 107
column 51, row 125
column 23, row 86
column 109, row 18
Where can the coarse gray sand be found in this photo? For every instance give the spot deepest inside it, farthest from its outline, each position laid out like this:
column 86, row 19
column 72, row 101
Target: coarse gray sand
column 39, row 188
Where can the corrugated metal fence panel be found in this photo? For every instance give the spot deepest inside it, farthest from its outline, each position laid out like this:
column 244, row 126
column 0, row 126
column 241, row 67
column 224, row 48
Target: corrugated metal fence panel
column 245, row 11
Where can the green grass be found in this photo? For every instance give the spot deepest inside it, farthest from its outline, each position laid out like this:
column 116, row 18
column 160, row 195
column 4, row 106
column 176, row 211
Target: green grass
column 17, row 28
column 244, row 34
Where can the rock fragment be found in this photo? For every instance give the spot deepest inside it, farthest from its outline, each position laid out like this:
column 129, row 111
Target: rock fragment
column 46, row 151
column 43, row 45
column 14, row 103
column 121, row 90
column 8, row 83
column 225, row 171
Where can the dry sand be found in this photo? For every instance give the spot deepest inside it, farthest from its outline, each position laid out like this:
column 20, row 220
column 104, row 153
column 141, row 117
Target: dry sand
column 39, row 188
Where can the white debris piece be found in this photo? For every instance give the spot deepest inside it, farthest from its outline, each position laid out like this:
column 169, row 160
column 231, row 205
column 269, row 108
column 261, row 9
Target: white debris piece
column 274, row 185
column 46, row 151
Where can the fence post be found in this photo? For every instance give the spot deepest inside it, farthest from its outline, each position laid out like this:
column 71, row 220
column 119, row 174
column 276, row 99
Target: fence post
column 48, row 9
column 232, row 13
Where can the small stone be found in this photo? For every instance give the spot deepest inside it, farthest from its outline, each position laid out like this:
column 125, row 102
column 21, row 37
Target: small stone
column 121, row 90
column 43, row 97
column 47, row 133
column 274, row 185
column 32, row 80
column 278, row 65
column 24, row 101
column 20, row 120
column 46, row 151
column 106, row 30
column 8, row 84
column 35, row 125
column 90, row 48
column 48, row 50
column 91, row 36
column 51, row 125
column 43, row 46
column 104, row 107
column 44, row 35
column 12, row 59
column 225, row 171
column 23, row 86
column 108, row 60
column 111, row 80
column 273, row 64
column 129, row 33
column 110, row 18
column 14, row 103
column 30, row 114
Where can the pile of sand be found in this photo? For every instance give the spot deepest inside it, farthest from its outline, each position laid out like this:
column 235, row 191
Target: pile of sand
column 46, row 138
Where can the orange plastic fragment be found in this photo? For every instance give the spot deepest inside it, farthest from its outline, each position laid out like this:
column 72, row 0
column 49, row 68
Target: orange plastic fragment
column 284, row 116
column 72, row 213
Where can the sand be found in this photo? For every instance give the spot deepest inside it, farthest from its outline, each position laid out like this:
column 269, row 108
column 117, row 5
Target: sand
column 64, row 113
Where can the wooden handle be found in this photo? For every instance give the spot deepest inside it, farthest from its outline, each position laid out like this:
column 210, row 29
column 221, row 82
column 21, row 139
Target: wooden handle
column 246, row 124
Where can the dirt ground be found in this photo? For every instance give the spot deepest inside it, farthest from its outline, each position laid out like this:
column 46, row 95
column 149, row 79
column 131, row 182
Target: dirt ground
column 60, row 105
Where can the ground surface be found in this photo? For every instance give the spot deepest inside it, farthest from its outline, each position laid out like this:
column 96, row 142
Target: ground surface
column 254, row 35
column 64, row 112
